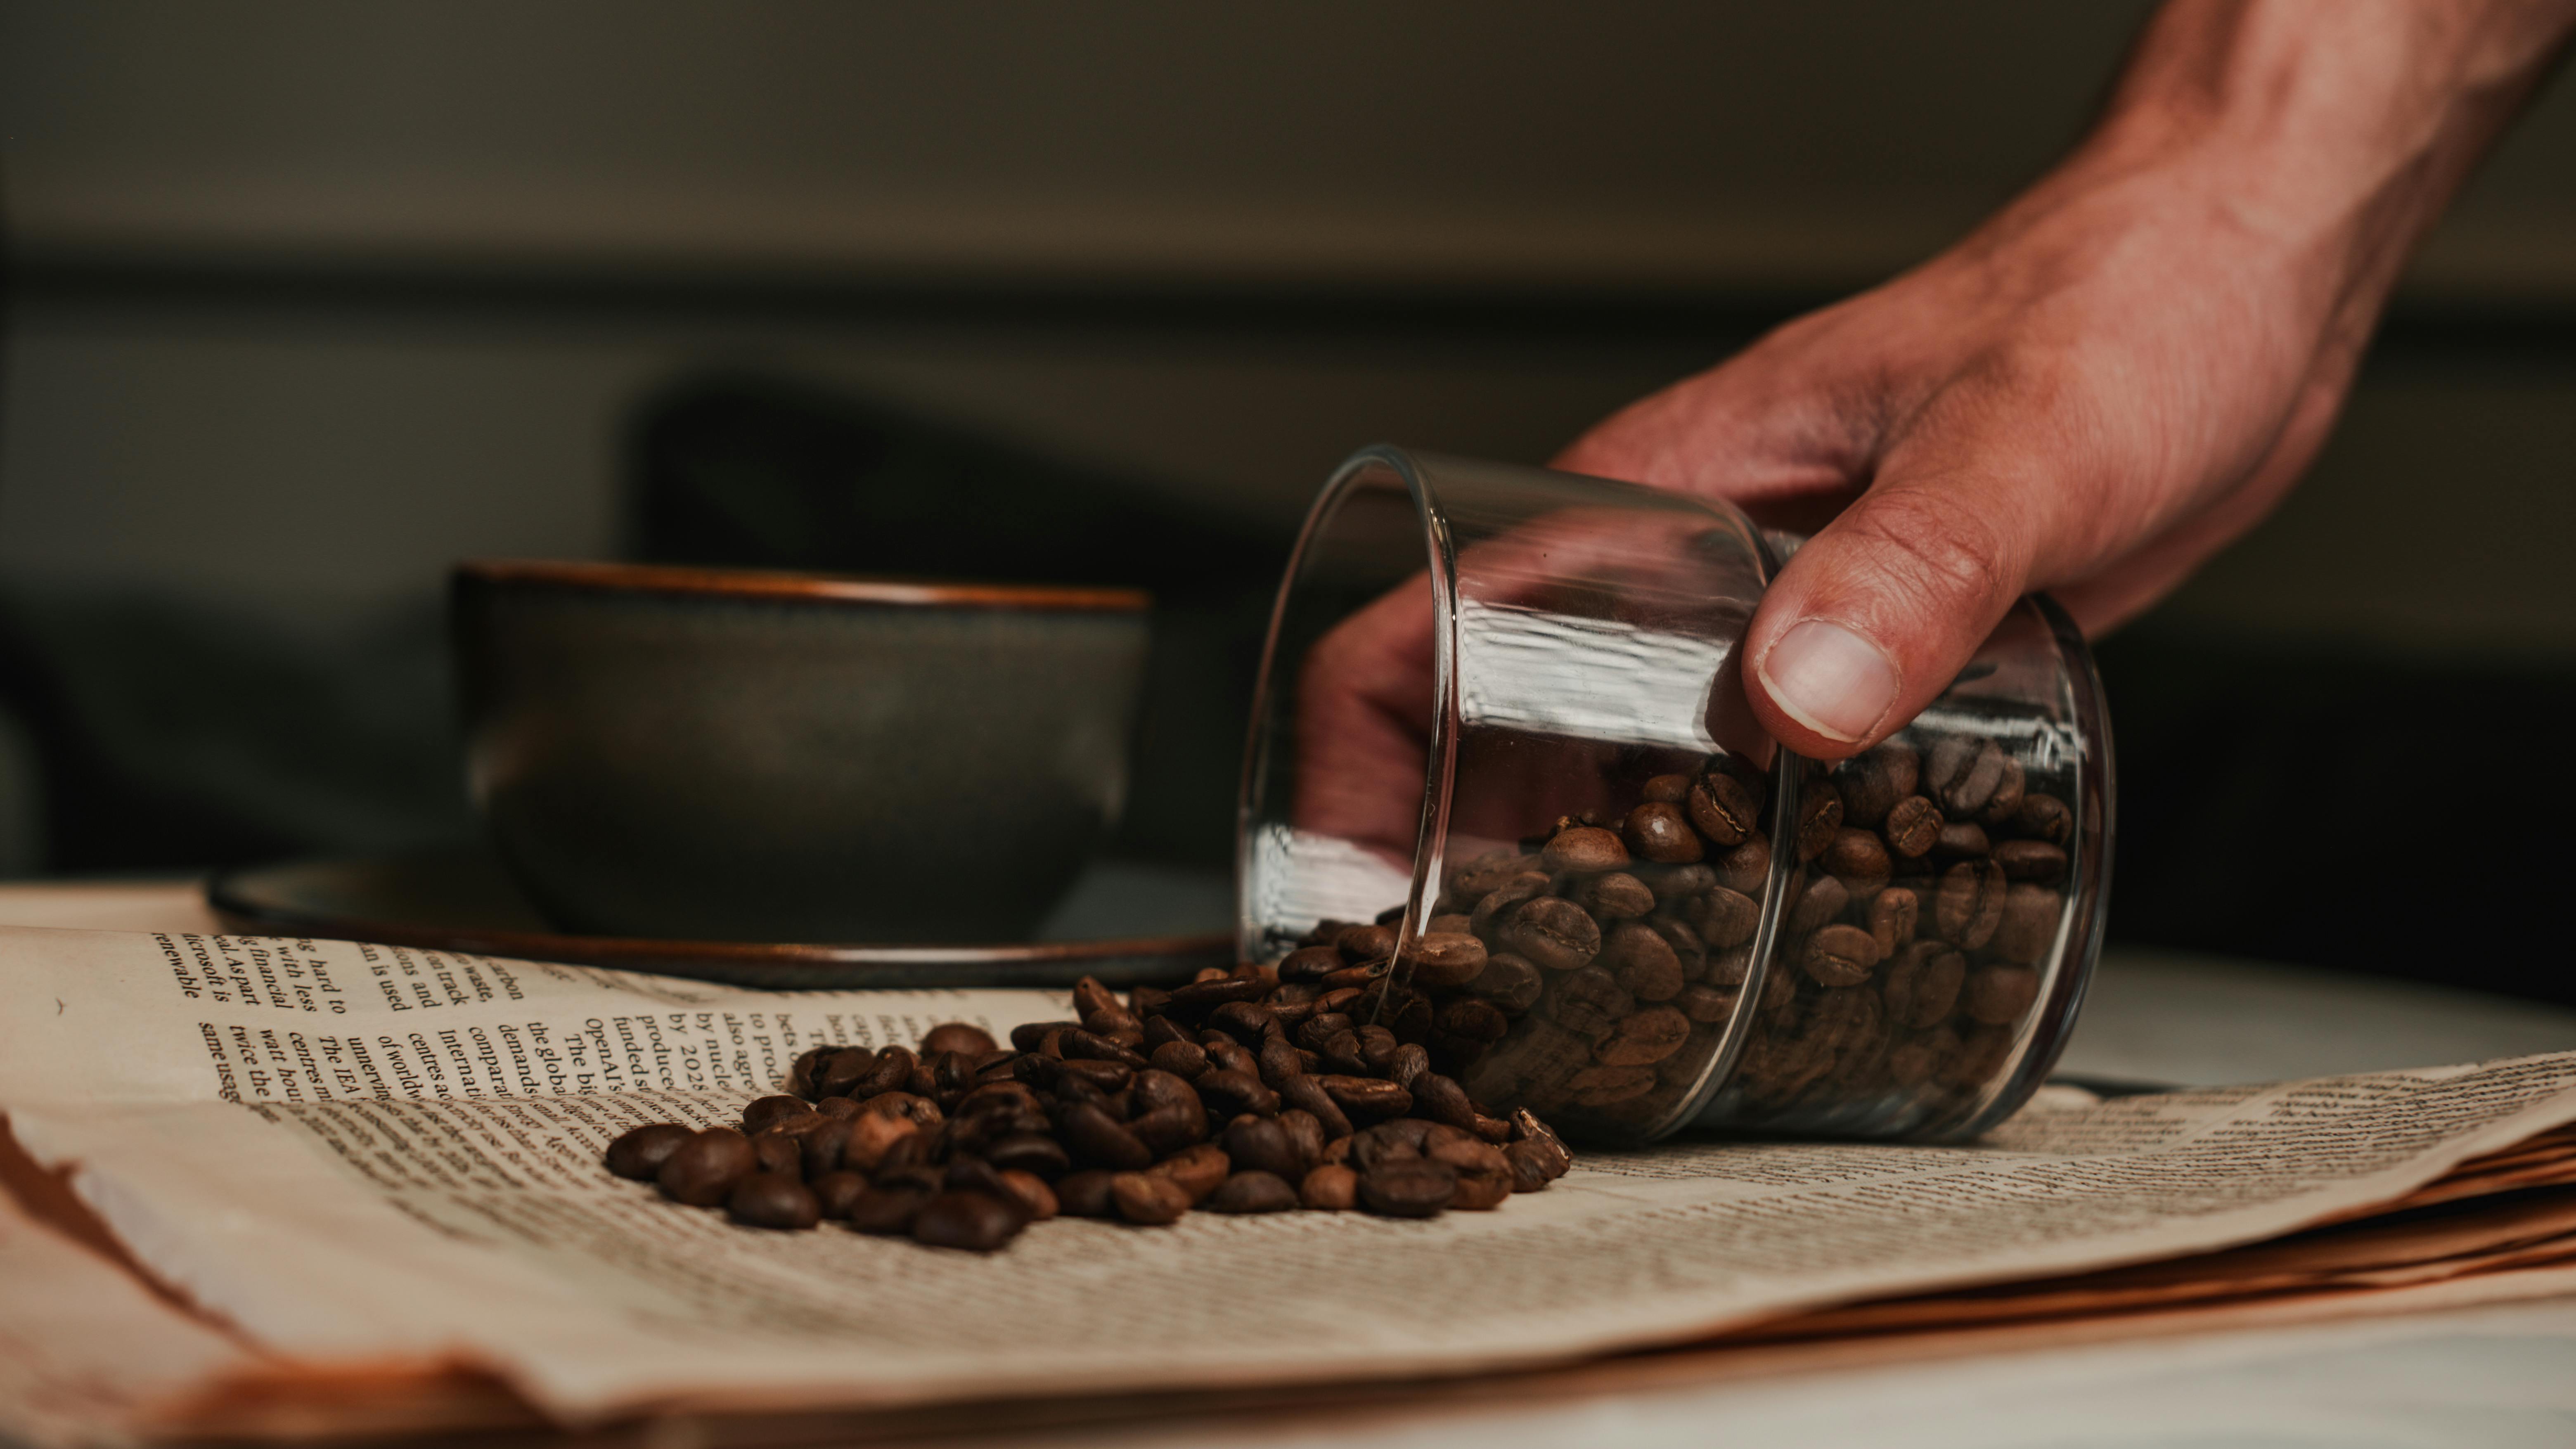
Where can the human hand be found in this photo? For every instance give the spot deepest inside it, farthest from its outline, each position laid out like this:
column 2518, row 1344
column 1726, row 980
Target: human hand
column 2112, row 379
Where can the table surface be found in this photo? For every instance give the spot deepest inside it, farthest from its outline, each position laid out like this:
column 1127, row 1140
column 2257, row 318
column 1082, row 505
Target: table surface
column 2503, row 1375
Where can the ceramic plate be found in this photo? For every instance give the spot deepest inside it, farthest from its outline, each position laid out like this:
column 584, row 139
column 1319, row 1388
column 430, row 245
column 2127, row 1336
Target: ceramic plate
column 1126, row 924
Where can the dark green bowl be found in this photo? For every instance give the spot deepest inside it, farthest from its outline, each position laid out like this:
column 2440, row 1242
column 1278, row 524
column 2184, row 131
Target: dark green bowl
column 730, row 755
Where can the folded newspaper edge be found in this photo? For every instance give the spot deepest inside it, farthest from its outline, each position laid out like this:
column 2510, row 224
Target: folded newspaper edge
column 365, row 1155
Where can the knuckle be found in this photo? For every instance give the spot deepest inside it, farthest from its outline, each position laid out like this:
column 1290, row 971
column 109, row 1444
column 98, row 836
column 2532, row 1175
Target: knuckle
column 1937, row 549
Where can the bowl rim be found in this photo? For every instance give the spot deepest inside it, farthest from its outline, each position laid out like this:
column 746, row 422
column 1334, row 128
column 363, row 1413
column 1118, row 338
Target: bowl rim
column 741, row 583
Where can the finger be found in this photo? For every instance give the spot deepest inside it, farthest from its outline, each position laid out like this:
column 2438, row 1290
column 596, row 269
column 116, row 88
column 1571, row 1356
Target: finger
column 1879, row 611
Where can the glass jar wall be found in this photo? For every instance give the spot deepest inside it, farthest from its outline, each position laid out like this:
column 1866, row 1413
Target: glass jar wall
column 1505, row 797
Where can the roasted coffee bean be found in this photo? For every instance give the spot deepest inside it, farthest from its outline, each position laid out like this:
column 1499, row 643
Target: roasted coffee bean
column 1441, row 1099
column 1331, row 1188
column 1441, row 960
column 1229, row 1092
column 1615, row 896
column 1245, row 1021
column 1378, row 1047
column 770, row 1109
column 2005, row 804
column 701, row 1172
column 1872, row 783
column 1727, row 917
column 1307, row 1094
column 1032, row 1036
column 1197, row 1169
column 1148, row 1198
column 1262, row 1144
column 1588, row 1002
column 1666, row 789
column 890, row 1072
column 1036, row 1200
column 1464, row 1019
column 1707, row 1004
column 1998, row 995
column 1411, row 1061
column 2044, row 817
column 1894, row 916
column 1644, row 1038
column 1961, row 839
column 1913, row 826
column 957, row 1036
column 1824, row 900
column 1311, row 963
column 1495, row 905
column 1528, row 1164
column 773, row 1200
column 1643, row 963
column 1411, row 1187
column 1660, row 831
column 1970, row 903
column 805, row 1077
column 1839, row 955
column 1279, row 1059
column 1201, row 997
column 1086, row 1194
column 819, row 1151
column 639, row 1152
column 1509, row 982
column 1553, row 933
column 1341, row 1052
column 1584, row 848
column 1366, row 974
column 1745, row 869
column 1373, row 942
column 844, row 1069
column 920, row 1111
column 1859, row 860
column 1724, row 809
column 1485, row 872
column 1401, row 1137
column 1096, row 1140
column 836, row 1193
column 2029, row 925
column 890, row 1206
column 778, row 1152
column 1366, row 1098
column 1254, row 1191
column 1102, row 1076
column 1963, row 773
column 1079, row 1045
column 1820, row 817
column 976, row 1222
column 2030, row 860
column 871, row 1137
column 1923, row 982
column 1029, row 1152
column 1181, row 1058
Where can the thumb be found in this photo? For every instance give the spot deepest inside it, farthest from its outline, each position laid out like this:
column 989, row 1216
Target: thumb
column 1879, row 612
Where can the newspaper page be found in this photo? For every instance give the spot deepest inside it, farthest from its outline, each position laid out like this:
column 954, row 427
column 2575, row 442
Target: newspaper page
column 365, row 1153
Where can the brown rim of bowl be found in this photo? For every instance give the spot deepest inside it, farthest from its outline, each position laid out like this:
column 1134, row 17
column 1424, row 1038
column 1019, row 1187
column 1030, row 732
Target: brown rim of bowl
column 782, row 584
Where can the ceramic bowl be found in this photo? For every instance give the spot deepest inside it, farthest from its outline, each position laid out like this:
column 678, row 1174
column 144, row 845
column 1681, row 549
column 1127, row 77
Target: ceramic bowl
column 747, row 756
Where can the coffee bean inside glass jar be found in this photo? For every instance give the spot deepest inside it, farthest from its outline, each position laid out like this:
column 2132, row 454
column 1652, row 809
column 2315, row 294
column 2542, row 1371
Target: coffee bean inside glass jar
column 1925, row 891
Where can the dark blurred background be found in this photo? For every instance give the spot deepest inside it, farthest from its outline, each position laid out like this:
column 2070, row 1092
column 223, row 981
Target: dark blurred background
column 307, row 300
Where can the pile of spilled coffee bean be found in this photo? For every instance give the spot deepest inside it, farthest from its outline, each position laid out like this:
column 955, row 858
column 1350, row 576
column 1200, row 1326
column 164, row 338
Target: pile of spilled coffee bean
column 1240, row 1092
column 1591, row 972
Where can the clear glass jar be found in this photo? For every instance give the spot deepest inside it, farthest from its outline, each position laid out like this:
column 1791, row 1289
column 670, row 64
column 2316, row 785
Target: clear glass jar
column 1500, row 711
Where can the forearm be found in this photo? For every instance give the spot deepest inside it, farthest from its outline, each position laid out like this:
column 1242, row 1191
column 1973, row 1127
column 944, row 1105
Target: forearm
column 2331, row 132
